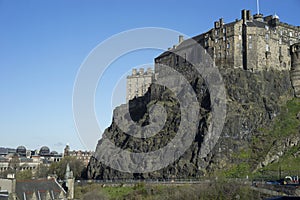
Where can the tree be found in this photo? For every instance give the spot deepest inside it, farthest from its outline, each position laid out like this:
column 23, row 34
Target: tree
column 24, row 175
column 59, row 168
column 42, row 171
column 14, row 163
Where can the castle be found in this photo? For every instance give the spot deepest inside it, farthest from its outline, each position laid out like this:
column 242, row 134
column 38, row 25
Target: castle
column 138, row 83
column 252, row 43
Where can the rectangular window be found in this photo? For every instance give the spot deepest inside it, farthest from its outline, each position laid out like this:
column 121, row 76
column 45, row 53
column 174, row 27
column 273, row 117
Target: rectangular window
column 240, row 37
column 280, row 40
column 267, row 27
column 250, row 45
column 177, row 60
column 280, row 51
column 291, row 34
column 224, row 38
column 267, row 47
column 224, row 30
column 216, row 40
column 267, row 36
column 206, row 43
column 250, row 37
column 216, row 32
column 228, row 45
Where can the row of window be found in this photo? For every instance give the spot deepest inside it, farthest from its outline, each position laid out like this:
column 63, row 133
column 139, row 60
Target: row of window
column 20, row 168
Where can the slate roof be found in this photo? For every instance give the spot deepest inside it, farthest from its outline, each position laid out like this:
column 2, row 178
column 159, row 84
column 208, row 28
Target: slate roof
column 256, row 23
column 3, row 151
column 43, row 188
column 4, row 195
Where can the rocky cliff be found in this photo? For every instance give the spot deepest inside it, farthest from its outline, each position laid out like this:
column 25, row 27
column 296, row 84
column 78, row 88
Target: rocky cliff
column 254, row 100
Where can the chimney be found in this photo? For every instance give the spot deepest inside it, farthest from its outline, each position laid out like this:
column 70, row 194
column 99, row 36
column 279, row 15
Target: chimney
column 180, row 39
column 249, row 16
column 244, row 15
column 221, row 22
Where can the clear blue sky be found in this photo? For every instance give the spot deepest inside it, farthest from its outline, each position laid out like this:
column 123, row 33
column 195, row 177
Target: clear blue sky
column 43, row 44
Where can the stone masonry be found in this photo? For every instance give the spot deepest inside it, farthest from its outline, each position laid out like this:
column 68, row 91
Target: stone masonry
column 251, row 43
column 138, row 83
column 295, row 70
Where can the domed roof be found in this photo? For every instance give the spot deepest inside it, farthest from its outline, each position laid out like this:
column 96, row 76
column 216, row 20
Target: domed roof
column 21, row 150
column 44, row 150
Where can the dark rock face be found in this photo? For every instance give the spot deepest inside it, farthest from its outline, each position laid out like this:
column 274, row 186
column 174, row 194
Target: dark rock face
column 253, row 101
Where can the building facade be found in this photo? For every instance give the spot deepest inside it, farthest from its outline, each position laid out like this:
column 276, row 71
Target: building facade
column 21, row 159
column 84, row 156
column 252, row 43
column 138, row 83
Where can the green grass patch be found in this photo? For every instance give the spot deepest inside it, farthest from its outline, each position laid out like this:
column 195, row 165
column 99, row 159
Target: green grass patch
column 117, row 192
column 287, row 123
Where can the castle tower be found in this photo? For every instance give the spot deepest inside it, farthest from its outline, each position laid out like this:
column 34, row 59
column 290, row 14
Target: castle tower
column 295, row 68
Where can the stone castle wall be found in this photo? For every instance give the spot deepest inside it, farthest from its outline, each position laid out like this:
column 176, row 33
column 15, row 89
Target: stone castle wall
column 138, row 83
column 295, row 70
column 253, row 43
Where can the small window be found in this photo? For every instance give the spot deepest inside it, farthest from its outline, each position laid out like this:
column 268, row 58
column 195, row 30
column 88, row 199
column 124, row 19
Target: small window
column 267, row 27
column 281, row 32
column 216, row 40
column 267, row 47
column 228, row 45
column 177, row 59
column 267, row 36
column 250, row 37
column 280, row 40
column 250, row 45
column 224, row 38
column 291, row 34
column 240, row 28
column 216, row 32
column 240, row 37
column 280, row 51
column 224, row 30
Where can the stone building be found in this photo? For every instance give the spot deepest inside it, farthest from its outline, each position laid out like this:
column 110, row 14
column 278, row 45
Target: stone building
column 295, row 68
column 84, row 156
column 21, row 159
column 252, row 43
column 138, row 83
